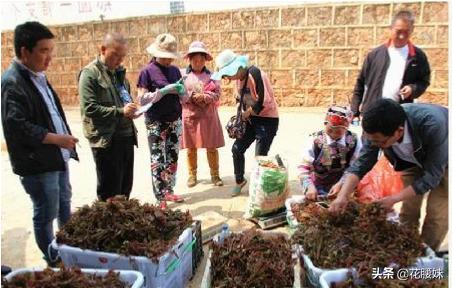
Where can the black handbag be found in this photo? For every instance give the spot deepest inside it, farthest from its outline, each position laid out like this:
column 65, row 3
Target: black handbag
column 236, row 126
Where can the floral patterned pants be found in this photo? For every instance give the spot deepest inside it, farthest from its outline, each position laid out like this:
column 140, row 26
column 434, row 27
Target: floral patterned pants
column 163, row 140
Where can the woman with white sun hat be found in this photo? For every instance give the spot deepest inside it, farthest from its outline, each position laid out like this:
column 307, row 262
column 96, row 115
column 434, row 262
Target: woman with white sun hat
column 259, row 109
column 159, row 83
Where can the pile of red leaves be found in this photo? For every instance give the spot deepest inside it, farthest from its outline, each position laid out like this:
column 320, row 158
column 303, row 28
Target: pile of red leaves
column 252, row 259
column 66, row 277
column 361, row 237
column 124, row 227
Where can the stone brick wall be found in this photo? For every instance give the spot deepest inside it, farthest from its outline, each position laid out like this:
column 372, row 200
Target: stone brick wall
column 312, row 53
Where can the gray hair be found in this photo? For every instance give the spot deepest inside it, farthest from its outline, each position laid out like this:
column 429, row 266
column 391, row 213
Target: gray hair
column 112, row 38
column 405, row 15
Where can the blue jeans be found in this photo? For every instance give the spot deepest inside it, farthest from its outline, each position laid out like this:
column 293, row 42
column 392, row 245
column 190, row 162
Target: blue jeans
column 51, row 195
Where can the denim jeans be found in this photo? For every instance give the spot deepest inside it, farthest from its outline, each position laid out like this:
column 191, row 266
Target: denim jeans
column 51, row 194
column 261, row 129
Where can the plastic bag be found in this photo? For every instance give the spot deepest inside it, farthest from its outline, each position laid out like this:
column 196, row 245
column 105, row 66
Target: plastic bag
column 380, row 182
column 268, row 190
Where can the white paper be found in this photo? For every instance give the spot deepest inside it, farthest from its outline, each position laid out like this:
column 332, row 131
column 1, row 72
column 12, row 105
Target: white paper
column 143, row 108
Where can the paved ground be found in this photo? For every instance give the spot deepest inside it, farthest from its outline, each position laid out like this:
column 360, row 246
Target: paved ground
column 19, row 249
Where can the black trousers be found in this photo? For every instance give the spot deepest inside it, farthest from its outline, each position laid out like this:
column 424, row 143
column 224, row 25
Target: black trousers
column 114, row 167
column 259, row 129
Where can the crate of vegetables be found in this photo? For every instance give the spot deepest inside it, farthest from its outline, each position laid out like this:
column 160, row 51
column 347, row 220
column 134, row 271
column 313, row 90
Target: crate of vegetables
column 361, row 238
column 78, row 278
column 347, row 278
column 252, row 259
column 123, row 234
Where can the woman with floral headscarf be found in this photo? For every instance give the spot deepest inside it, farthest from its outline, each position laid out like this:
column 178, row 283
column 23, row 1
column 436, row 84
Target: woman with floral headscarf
column 331, row 151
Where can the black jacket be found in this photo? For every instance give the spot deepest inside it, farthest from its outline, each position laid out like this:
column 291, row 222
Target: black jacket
column 26, row 121
column 369, row 85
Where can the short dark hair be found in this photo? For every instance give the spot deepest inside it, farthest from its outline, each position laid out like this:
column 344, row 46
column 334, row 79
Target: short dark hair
column 384, row 116
column 405, row 15
column 28, row 34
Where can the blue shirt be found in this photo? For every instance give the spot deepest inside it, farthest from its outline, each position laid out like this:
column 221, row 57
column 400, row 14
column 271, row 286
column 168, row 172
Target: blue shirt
column 40, row 81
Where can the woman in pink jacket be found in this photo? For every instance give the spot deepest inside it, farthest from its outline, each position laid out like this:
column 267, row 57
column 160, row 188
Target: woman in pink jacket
column 200, row 121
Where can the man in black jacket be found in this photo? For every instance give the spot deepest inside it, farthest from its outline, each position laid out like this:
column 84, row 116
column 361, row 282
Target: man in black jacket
column 37, row 135
column 396, row 70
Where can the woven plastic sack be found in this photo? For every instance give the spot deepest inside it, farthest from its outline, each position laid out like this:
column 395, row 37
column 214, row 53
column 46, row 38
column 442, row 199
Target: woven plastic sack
column 268, row 190
column 380, row 182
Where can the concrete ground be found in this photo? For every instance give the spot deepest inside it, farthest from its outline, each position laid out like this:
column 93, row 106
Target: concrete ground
column 18, row 248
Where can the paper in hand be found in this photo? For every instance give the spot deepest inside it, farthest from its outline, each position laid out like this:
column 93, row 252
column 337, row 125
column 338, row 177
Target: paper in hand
column 143, row 108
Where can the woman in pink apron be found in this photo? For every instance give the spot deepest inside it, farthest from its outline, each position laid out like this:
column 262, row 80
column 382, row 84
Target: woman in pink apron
column 201, row 126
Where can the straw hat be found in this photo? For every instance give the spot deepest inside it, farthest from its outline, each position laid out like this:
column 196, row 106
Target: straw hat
column 198, row 47
column 164, row 46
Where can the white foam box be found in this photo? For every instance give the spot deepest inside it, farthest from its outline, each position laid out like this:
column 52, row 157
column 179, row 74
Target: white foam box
column 314, row 273
column 133, row 278
column 173, row 269
column 339, row 275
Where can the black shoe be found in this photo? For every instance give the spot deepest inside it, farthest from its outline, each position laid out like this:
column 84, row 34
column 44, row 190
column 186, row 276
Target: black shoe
column 6, row 270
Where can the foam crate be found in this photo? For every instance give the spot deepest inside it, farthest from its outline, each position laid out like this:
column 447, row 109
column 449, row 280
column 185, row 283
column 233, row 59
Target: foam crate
column 333, row 276
column 339, row 275
column 198, row 252
column 314, row 273
column 133, row 278
column 168, row 271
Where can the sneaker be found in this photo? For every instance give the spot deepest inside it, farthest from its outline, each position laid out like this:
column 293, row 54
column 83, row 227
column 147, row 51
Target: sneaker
column 192, row 181
column 216, row 181
column 172, row 198
column 163, row 205
column 237, row 189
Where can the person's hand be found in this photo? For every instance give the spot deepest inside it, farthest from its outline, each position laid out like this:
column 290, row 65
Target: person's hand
column 387, row 203
column 129, row 110
column 65, row 141
column 198, row 98
column 311, row 194
column 180, row 88
column 406, row 92
column 338, row 205
column 334, row 191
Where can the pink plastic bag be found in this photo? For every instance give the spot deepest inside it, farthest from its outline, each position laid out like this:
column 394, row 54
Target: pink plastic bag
column 380, row 182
